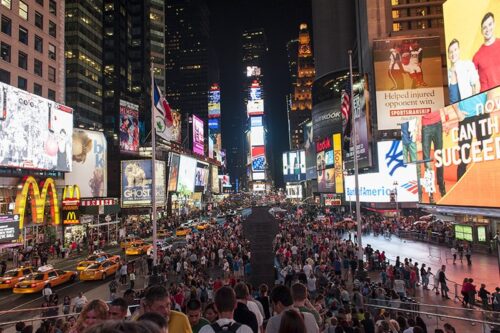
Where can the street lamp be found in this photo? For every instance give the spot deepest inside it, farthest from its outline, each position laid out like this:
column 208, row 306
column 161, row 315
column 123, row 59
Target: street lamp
column 350, row 199
column 395, row 192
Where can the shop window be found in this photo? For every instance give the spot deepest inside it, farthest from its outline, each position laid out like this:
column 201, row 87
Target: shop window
column 463, row 232
column 481, row 234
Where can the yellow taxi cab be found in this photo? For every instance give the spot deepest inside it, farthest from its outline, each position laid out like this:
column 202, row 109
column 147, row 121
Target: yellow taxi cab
column 137, row 248
column 182, row 231
column 45, row 275
column 163, row 233
column 202, row 226
column 129, row 240
column 96, row 257
column 13, row 276
column 100, row 270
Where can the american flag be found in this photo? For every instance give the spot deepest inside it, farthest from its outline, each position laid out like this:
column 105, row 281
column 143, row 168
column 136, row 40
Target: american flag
column 345, row 108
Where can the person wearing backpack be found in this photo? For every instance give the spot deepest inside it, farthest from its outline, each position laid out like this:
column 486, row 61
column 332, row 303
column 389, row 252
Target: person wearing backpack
column 225, row 303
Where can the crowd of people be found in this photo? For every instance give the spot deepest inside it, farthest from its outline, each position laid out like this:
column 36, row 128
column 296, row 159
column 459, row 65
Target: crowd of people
column 202, row 285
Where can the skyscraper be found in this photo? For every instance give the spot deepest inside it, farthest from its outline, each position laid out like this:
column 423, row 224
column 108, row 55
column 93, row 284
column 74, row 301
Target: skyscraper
column 187, row 58
column 301, row 102
column 83, row 53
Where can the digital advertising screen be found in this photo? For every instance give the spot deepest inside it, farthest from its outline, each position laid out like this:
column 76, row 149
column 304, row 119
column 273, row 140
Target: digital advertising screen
column 198, row 140
column 201, row 177
column 258, row 175
column 214, row 124
column 329, row 165
column 257, row 136
column 258, row 158
column 214, row 101
column 463, row 163
column 294, row 191
column 129, row 127
column 472, row 47
column 259, row 187
column 35, row 133
column 326, row 119
column 89, row 158
column 294, row 166
column 377, row 186
column 9, row 228
column 255, row 93
column 255, row 107
column 136, row 183
column 253, row 71
column 256, row 121
column 173, row 172
column 408, row 79
column 225, row 181
column 187, row 169
column 214, row 179
column 310, row 151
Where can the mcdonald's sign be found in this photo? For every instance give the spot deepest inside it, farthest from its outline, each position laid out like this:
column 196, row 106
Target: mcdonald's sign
column 71, row 198
column 71, row 217
column 38, row 200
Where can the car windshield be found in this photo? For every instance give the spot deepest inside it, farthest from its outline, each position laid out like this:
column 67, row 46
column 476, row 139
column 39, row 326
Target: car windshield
column 92, row 258
column 36, row 276
column 12, row 273
column 94, row 266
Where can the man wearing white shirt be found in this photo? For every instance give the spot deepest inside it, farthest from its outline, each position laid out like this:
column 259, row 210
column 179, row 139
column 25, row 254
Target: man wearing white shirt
column 463, row 78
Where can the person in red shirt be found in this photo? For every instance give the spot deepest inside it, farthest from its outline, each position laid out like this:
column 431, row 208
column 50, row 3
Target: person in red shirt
column 486, row 58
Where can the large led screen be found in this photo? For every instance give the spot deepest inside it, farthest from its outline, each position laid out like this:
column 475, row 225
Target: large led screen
column 257, row 136
column 198, row 140
column 377, row 187
column 310, row 150
column 461, row 144
column 253, row 71
column 35, row 133
column 408, row 79
column 201, row 177
column 137, row 184
column 187, row 169
column 294, row 191
column 214, row 101
column 258, row 158
column 473, row 47
column 129, row 127
column 173, row 172
column 294, row 166
column 214, row 172
column 90, row 170
column 255, row 107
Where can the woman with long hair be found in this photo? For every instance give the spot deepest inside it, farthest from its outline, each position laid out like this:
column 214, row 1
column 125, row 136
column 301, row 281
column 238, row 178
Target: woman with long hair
column 93, row 313
column 292, row 322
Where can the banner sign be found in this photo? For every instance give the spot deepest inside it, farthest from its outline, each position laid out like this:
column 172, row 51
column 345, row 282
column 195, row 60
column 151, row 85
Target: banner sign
column 310, row 151
column 173, row 172
column 98, row 202
column 198, row 136
column 136, row 183
column 9, row 228
column 326, row 119
column 408, row 79
column 129, row 127
column 214, row 101
column 294, row 166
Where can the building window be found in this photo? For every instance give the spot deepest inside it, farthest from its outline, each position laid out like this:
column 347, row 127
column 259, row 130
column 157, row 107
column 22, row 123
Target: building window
column 39, row 44
column 4, row 76
column 38, row 67
column 53, row 7
column 23, row 35
column 51, row 95
column 22, row 60
column 8, row 4
column 5, row 52
column 23, row 10
column 22, row 83
column 40, row 2
column 6, row 25
column 52, row 52
column 52, row 74
column 52, row 29
column 39, row 20
column 37, row 89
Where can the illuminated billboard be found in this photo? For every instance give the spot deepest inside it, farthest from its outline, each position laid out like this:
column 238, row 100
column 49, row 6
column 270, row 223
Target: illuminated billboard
column 255, row 107
column 90, row 170
column 258, row 176
column 257, row 136
column 214, row 101
column 256, row 121
column 187, row 169
column 214, row 179
column 259, row 187
column 136, row 183
column 310, row 151
column 472, row 46
column 294, row 166
column 201, row 177
column 253, row 71
column 129, row 127
column 173, row 172
column 377, row 187
column 258, row 158
column 35, row 133
column 198, row 140
column 408, row 79
column 326, row 119
column 294, row 191
column 461, row 143
column 225, row 181
column 214, row 139
column 255, row 92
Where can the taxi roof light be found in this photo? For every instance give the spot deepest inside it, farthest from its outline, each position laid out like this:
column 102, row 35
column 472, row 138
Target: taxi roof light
column 45, row 268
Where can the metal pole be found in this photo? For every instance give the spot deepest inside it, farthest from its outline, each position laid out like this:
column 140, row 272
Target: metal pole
column 354, row 140
column 153, row 171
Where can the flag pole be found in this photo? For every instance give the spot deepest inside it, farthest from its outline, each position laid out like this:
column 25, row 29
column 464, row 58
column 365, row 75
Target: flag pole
column 354, row 140
column 153, row 170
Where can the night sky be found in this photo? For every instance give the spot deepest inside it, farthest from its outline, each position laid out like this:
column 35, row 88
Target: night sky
column 280, row 20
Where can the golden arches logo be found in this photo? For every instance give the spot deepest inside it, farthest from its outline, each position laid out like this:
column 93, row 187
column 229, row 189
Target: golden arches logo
column 38, row 199
column 71, row 218
column 71, row 192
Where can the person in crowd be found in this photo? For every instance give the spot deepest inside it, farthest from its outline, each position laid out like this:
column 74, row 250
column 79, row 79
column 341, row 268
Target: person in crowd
column 155, row 318
column 292, row 322
column 210, row 313
column 93, row 313
column 118, row 309
column 119, row 326
column 79, row 302
column 242, row 314
column 301, row 301
column 193, row 312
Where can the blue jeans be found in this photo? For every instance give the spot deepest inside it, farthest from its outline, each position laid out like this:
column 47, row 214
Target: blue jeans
column 433, row 134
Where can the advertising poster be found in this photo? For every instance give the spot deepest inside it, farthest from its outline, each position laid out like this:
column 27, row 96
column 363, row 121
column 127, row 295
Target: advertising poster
column 173, row 172
column 201, row 177
column 255, row 107
column 408, row 79
column 325, row 172
column 338, row 163
column 35, row 133
column 259, row 187
column 129, row 127
column 294, row 167
column 463, row 150
column 361, row 106
column 214, row 172
column 9, row 228
column 294, row 191
column 225, row 181
column 258, row 175
column 326, row 119
column 258, row 158
column 310, row 151
column 214, row 101
column 187, row 169
column 472, row 47
column 90, row 170
column 377, row 187
column 136, row 183
column 215, row 138
column 253, row 71
column 198, row 140
column 257, row 136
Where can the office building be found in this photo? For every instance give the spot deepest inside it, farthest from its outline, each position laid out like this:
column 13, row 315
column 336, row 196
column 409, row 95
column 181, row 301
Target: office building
column 32, row 46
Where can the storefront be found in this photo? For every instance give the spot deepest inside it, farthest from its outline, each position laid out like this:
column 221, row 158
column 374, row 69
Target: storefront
column 99, row 220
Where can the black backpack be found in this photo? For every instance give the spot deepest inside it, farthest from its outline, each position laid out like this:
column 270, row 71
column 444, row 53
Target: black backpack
column 228, row 328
